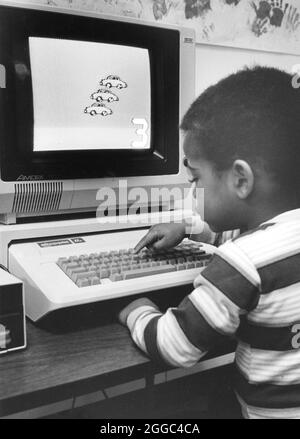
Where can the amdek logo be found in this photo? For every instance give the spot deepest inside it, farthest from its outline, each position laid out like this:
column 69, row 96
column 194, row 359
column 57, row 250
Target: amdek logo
column 30, row 177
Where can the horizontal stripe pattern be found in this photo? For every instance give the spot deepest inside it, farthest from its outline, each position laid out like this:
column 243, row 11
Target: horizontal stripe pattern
column 240, row 261
column 251, row 412
column 174, row 346
column 275, row 367
column 267, row 395
column 218, row 311
column 278, row 308
column 250, row 289
column 229, row 235
column 273, row 244
column 255, row 230
column 138, row 329
column 232, row 283
column 274, row 339
column 280, row 274
column 140, row 312
column 195, row 327
column 150, row 338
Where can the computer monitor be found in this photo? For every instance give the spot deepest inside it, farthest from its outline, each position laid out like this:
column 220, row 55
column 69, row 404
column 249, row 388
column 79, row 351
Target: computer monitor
column 89, row 99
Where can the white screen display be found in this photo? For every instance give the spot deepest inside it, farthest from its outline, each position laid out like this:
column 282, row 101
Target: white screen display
column 89, row 96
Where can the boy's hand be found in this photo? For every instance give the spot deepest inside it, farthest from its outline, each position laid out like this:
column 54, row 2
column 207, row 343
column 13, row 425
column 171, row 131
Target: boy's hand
column 162, row 237
column 123, row 315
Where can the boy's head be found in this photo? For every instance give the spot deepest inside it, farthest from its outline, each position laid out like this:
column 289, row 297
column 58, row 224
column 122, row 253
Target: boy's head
column 242, row 141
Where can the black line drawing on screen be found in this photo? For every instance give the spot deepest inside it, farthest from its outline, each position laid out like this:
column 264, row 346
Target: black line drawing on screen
column 113, row 81
column 100, row 109
column 104, row 95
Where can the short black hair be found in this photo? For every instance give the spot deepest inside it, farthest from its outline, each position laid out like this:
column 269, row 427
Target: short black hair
column 252, row 115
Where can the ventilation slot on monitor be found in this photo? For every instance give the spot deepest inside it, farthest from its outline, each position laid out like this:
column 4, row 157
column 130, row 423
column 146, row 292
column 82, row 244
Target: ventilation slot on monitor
column 37, row 197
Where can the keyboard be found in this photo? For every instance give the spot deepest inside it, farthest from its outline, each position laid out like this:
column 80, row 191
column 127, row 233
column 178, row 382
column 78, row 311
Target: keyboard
column 119, row 265
column 74, row 270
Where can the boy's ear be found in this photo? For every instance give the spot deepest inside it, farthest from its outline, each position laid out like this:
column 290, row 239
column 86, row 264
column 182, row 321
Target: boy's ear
column 243, row 179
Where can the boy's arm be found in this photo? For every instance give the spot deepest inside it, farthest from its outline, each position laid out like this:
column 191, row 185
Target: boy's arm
column 168, row 235
column 198, row 230
column 182, row 335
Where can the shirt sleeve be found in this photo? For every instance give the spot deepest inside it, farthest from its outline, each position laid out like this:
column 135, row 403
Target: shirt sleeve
column 226, row 289
column 197, row 230
column 200, row 232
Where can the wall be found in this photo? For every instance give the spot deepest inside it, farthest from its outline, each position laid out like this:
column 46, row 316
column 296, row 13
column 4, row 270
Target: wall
column 215, row 62
column 212, row 62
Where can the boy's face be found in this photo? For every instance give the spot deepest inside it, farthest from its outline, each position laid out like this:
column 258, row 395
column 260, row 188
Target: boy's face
column 220, row 204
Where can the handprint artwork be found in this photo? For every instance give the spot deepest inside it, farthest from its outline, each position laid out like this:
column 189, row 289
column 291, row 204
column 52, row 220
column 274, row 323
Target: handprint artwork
column 275, row 13
column 272, row 25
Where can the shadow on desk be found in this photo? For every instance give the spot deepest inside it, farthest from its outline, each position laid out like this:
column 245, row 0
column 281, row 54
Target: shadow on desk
column 208, row 395
column 104, row 313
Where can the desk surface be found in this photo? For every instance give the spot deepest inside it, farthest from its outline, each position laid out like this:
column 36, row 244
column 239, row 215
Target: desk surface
column 57, row 366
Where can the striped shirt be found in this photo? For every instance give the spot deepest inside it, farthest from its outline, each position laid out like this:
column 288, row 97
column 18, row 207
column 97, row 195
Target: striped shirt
column 250, row 290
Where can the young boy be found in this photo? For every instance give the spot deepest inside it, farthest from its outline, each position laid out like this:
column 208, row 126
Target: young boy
column 242, row 141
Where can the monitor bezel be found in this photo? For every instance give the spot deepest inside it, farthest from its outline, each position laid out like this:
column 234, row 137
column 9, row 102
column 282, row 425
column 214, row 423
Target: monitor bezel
column 16, row 103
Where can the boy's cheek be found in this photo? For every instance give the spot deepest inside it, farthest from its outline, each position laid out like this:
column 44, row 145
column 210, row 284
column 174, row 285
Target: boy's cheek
column 199, row 200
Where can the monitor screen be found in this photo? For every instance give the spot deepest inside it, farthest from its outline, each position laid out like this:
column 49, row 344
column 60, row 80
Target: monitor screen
column 89, row 96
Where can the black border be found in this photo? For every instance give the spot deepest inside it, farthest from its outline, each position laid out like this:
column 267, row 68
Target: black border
column 16, row 105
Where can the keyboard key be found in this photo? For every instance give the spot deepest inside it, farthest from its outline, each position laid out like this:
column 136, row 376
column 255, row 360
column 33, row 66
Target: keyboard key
column 180, row 267
column 114, row 270
column 201, row 257
column 70, row 265
column 116, row 277
column 150, row 271
column 85, row 274
column 91, row 269
column 146, row 264
column 62, row 261
column 125, row 267
column 82, row 282
column 104, row 274
column 95, row 280
column 114, row 265
column 76, row 271
column 103, row 254
column 136, row 266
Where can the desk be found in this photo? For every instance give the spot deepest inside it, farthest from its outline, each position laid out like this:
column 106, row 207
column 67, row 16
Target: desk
column 58, row 366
